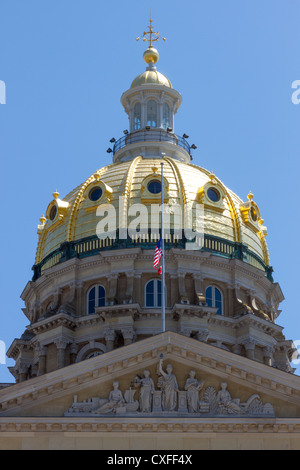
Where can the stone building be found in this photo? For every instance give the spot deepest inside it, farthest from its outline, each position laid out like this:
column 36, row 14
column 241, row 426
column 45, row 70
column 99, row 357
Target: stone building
column 93, row 365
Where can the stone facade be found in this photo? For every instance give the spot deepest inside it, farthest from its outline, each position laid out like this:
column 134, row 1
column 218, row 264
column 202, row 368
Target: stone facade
column 94, row 365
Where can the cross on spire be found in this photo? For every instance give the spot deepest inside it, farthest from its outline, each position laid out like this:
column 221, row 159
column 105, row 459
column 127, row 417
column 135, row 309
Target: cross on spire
column 150, row 36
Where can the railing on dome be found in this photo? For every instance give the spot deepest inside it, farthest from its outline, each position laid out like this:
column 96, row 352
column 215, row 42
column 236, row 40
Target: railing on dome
column 151, row 135
column 93, row 245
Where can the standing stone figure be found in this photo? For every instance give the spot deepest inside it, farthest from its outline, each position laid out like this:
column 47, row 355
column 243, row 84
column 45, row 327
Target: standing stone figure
column 146, row 392
column 192, row 386
column 169, row 387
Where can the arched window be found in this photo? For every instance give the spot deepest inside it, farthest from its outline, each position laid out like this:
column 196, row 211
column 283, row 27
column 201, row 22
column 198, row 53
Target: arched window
column 153, row 293
column 166, row 115
column 137, row 116
column 152, row 113
column 94, row 354
column 95, row 298
column 214, row 299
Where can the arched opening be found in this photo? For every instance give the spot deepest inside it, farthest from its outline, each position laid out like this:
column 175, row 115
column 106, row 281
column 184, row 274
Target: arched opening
column 214, row 298
column 137, row 116
column 95, row 298
column 152, row 113
column 166, row 116
column 153, row 293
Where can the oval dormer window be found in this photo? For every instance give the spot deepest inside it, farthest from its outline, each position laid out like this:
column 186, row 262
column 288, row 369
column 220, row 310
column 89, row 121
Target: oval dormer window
column 154, row 187
column 53, row 213
column 95, row 194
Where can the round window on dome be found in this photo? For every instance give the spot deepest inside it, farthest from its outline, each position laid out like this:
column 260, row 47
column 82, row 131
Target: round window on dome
column 53, row 213
column 213, row 194
column 253, row 214
column 154, row 187
column 95, row 194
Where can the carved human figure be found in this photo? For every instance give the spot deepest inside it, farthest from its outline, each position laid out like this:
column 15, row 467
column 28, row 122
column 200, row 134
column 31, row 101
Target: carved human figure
column 146, row 392
column 169, row 387
column 193, row 386
column 226, row 403
column 115, row 400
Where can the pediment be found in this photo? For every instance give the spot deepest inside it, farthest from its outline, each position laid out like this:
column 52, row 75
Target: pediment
column 228, row 385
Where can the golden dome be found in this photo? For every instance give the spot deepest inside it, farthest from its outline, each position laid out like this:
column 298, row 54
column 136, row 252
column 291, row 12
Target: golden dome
column 151, row 77
column 228, row 225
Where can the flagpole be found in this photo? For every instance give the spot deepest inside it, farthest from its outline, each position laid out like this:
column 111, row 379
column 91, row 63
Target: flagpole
column 163, row 302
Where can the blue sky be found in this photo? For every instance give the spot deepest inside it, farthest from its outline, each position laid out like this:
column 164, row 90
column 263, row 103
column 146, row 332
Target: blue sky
column 66, row 63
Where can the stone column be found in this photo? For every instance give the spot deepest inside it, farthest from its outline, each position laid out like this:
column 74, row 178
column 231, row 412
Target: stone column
column 138, row 294
column 23, row 372
column 250, row 348
column 109, row 335
column 113, row 281
column 129, row 287
column 230, row 297
column 199, row 288
column 56, row 300
column 61, row 352
column 128, row 335
column 268, row 355
column 80, row 305
column 42, row 355
column 183, row 298
column 73, row 352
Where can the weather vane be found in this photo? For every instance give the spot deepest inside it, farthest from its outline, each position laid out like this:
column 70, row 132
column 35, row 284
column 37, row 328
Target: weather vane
column 150, row 36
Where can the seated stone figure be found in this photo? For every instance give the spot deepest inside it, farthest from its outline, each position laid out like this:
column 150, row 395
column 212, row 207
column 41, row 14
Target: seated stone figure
column 115, row 400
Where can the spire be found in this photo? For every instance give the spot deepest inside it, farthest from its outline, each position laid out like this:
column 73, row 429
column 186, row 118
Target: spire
column 151, row 54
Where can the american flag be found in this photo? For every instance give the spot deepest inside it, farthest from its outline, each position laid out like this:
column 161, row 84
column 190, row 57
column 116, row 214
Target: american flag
column 157, row 256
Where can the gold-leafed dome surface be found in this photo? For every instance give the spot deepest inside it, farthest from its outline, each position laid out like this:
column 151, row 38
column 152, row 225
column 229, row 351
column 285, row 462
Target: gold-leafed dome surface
column 151, row 77
column 227, row 219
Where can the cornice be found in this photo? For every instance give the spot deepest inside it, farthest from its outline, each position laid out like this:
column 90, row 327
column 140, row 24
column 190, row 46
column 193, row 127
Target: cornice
column 206, row 426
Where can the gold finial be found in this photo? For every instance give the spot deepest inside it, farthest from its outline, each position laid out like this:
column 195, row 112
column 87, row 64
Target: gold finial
column 43, row 219
column 155, row 170
column 151, row 55
column 250, row 196
column 55, row 194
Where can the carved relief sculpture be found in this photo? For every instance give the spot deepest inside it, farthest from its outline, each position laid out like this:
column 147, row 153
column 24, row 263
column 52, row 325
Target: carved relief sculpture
column 192, row 386
column 169, row 386
column 169, row 400
column 115, row 400
column 146, row 391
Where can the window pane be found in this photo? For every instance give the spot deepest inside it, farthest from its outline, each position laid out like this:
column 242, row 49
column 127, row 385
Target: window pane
column 137, row 116
column 92, row 301
column 166, row 116
column 208, row 296
column 101, row 296
column 158, row 284
column 150, row 294
column 219, row 307
column 218, row 295
column 152, row 113
column 154, row 187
